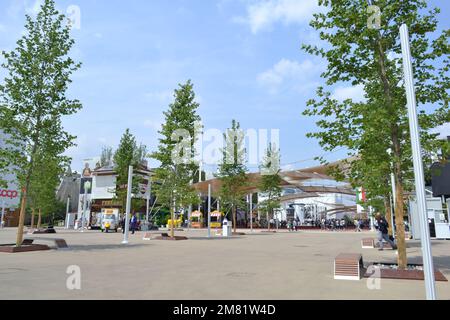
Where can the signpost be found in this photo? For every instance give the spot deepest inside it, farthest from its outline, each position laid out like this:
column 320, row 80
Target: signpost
column 418, row 165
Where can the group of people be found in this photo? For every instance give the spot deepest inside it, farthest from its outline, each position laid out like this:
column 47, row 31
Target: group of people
column 333, row 224
column 134, row 224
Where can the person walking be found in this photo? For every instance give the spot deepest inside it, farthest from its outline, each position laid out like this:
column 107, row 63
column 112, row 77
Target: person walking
column 382, row 227
column 358, row 225
column 122, row 224
column 133, row 223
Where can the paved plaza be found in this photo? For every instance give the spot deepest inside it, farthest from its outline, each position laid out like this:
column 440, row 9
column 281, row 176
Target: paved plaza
column 255, row 266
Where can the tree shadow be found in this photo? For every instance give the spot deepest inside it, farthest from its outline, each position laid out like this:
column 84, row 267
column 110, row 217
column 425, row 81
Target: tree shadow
column 104, row 247
column 214, row 238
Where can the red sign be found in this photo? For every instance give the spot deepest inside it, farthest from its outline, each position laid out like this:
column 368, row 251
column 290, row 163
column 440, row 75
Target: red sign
column 11, row 194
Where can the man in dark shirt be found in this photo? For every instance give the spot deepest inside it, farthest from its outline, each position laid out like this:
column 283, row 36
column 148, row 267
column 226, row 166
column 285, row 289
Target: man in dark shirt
column 382, row 227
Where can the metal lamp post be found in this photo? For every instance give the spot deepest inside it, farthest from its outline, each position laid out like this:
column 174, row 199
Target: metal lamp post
column 67, row 212
column 149, row 195
column 418, row 164
column 2, row 221
column 128, row 205
column 87, row 187
column 251, row 212
column 393, row 205
column 209, row 210
column 172, row 225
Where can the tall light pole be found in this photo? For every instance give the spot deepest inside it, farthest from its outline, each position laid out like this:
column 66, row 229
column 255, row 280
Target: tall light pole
column 209, row 210
column 67, row 212
column 418, row 164
column 394, row 192
column 172, row 229
column 2, row 221
column 149, row 195
column 128, row 205
column 87, row 187
column 251, row 212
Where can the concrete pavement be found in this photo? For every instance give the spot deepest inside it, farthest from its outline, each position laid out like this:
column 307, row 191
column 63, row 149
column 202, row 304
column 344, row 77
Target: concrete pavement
column 255, row 266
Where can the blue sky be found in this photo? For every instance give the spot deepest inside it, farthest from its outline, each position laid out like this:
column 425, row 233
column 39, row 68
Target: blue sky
column 243, row 57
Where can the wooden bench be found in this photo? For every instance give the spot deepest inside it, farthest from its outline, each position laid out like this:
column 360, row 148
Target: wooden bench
column 371, row 243
column 348, row 266
column 59, row 243
column 368, row 243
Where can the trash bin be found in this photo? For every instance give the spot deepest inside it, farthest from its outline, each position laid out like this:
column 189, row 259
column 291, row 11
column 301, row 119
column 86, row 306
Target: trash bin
column 227, row 228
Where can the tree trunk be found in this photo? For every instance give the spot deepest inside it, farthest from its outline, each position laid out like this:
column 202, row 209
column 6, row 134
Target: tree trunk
column 388, row 207
column 23, row 205
column 268, row 221
column 39, row 219
column 397, row 153
column 32, row 218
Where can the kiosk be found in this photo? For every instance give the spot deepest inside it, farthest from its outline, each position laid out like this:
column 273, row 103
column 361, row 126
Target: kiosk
column 197, row 220
column 216, row 219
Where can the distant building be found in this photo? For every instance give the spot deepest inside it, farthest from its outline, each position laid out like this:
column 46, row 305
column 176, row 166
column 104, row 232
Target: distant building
column 308, row 196
column 69, row 188
column 101, row 195
column 10, row 195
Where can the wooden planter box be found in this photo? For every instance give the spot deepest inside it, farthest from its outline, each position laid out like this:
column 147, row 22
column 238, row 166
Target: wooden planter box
column 197, row 225
column 11, row 248
column 165, row 236
column 402, row 274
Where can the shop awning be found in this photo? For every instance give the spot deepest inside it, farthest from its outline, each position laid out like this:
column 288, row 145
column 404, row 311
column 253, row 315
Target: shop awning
column 216, row 214
column 196, row 214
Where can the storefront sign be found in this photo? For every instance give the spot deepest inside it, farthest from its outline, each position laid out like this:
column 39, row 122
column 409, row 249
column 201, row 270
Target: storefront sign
column 9, row 194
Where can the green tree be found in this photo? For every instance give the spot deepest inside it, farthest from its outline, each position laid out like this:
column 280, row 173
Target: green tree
column 371, row 58
column 33, row 96
column 44, row 183
column 232, row 172
column 176, row 151
column 270, row 184
column 128, row 154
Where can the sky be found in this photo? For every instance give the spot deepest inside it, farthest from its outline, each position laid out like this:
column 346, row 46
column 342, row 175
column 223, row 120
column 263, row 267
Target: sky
column 243, row 57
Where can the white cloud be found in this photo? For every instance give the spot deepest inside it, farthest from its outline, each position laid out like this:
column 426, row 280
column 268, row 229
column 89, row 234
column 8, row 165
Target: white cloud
column 443, row 131
column 263, row 14
column 286, row 71
column 356, row 93
column 34, row 8
column 154, row 124
column 30, row 7
column 161, row 97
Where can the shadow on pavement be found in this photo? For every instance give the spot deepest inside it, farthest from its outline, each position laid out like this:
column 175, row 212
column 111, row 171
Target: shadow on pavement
column 214, row 238
column 104, row 247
